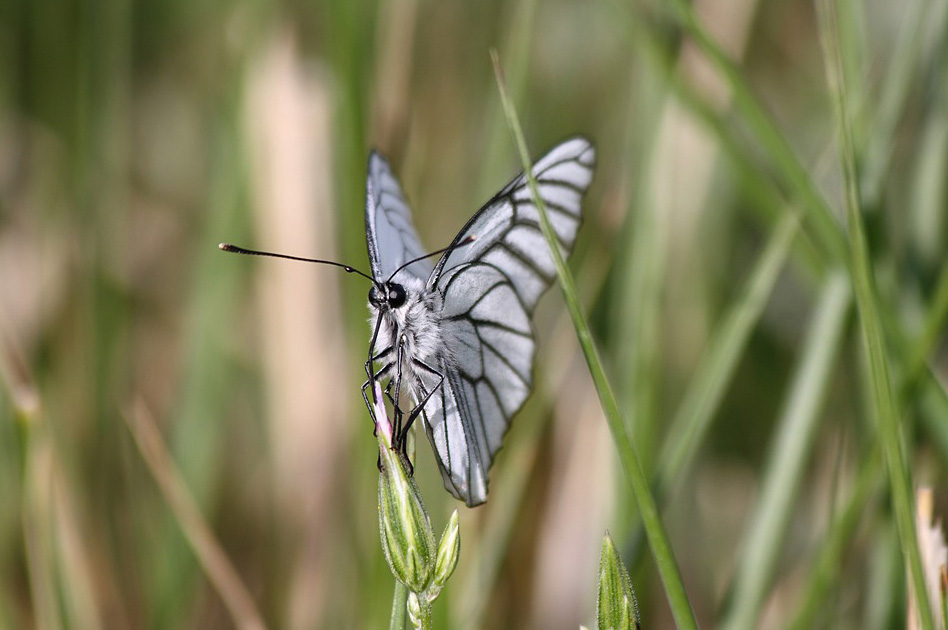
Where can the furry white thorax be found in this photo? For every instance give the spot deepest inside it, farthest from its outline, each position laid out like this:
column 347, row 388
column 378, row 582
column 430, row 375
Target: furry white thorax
column 416, row 325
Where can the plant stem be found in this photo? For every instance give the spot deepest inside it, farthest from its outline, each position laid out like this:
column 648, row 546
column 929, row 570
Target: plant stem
column 715, row 373
column 399, row 606
column 790, row 451
column 825, row 228
column 886, row 411
column 424, row 613
column 658, row 540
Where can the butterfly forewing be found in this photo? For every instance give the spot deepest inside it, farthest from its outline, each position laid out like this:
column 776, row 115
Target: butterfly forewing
column 390, row 234
column 510, row 221
column 490, row 289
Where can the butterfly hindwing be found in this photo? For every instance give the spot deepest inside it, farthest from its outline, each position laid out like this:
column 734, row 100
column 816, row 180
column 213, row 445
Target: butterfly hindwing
column 487, row 376
column 452, row 434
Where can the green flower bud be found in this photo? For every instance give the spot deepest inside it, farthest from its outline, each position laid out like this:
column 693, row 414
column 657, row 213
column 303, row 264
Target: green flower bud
column 407, row 538
column 617, row 608
column 448, row 551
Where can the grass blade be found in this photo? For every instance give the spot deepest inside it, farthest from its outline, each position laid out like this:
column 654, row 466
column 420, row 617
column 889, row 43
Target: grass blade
column 658, row 539
column 892, row 100
column 790, row 449
column 886, row 411
column 826, row 570
column 217, row 567
column 820, row 218
column 714, row 374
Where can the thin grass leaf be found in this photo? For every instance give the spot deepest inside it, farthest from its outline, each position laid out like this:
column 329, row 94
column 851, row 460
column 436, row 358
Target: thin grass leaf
column 399, row 607
column 885, row 410
column 789, row 453
column 516, row 47
column 658, row 539
column 853, row 53
column 895, row 91
column 768, row 199
column 829, row 558
column 38, row 518
column 35, row 478
column 826, row 228
column 927, row 340
column 928, row 195
column 761, row 124
column 714, row 374
column 195, row 528
column 640, row 312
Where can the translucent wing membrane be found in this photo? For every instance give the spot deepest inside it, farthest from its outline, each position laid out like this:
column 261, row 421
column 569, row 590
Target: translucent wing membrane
column 490, row 289
column 507, row 229
column 389, row 232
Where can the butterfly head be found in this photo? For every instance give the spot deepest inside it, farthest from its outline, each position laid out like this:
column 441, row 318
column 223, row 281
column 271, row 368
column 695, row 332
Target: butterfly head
column 387, row 295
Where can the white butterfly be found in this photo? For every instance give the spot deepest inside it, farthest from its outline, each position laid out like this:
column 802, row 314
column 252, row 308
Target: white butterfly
column 460, row 335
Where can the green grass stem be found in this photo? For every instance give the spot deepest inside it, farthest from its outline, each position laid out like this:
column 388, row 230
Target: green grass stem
column 37, row 516
column 885, row 409
column 829, row 558
column 399, row 607
column 790, row 451
column 716, row 370
column 658, row 539
column 767, row 198
column 641, row 288
column 892, row 101
column 827, row 230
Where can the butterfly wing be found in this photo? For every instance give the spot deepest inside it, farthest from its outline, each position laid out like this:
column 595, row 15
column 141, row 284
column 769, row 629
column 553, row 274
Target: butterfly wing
column 389, row 232
column 490, row 289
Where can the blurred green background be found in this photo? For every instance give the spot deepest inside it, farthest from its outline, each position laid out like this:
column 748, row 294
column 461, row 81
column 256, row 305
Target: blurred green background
column 134, row 136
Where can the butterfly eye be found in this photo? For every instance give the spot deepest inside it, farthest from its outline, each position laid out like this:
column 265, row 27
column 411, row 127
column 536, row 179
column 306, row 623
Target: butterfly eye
column 396, row 295
column 374, row 298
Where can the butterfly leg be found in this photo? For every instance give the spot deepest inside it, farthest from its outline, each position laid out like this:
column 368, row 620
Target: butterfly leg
column 365, row 397
column 373, row 357
column 374, row 376
column 421, row 405
column 398, row 432
column 402, row 438
column 370, row 364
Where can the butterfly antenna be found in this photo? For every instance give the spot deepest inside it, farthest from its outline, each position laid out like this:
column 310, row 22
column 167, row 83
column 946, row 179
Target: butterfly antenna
column 467, row 241
column 227, row 247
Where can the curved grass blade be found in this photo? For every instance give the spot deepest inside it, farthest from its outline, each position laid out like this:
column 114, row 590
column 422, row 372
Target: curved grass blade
column 658, row 539
column 790, row 449
column 885, row 409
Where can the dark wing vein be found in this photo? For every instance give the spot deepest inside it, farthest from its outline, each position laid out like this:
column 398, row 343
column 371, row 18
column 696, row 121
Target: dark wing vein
column 490, row 289
column 390, row 234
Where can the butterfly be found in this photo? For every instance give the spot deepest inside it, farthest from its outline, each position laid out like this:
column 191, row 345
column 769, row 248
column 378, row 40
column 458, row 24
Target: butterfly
column 458, row 335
